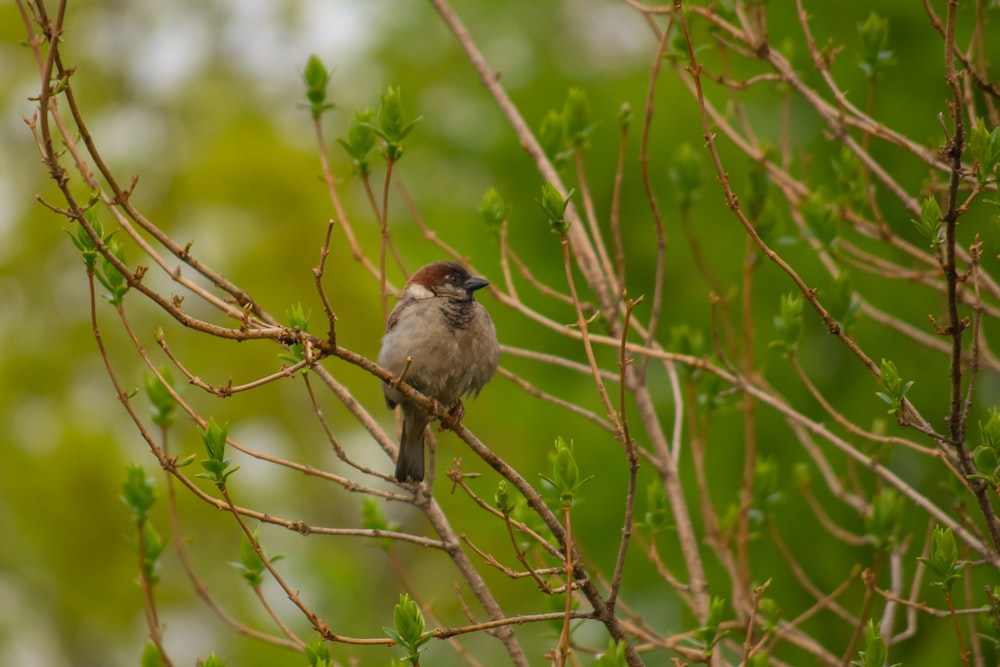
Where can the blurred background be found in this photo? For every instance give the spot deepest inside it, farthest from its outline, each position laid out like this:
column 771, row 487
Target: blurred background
column 203, row 100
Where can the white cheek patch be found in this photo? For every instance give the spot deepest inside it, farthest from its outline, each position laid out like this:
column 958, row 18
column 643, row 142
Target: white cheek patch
column 416, row 291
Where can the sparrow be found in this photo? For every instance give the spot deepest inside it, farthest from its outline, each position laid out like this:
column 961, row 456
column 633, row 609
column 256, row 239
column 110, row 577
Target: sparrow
column 452, row 346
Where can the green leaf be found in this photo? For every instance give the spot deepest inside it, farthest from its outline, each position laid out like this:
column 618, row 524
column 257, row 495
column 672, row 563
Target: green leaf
column 565, row 473
column 841, row 301
column 850, row 175
column 929, row 224
column 882, row 524
column 818, row 215
column 111, row 278
column 943, row 561
column 212, row 661
column 361, row 140
column 138, row 493
column 685, row 174
column 789, row 324
column 875, row 58
column 894, row 388
column 554, row 206
column 502, row 498
column 373, row 519
column 219, row 469
column 624, row 116
column 984, row 145
column 552, row 136
column 614, row 656
column 874, row 654
column 392, row 124
column 298, row 318
column 318, row 653
column 163, row 402
column 494, row 209
column 316, row 77
column 408, row 628
column 151, row 656
column 657, row 516
column 576, row 113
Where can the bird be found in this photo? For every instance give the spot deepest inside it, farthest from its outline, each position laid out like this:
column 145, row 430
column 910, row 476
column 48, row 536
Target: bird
column 444, row 343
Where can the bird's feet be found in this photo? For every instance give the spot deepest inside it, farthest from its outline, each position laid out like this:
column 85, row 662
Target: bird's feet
column 454, row 416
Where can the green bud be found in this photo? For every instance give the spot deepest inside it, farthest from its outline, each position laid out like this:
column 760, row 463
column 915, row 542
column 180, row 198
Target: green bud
column 502, row 499
column 316, row 77
column 138, row 493
column 685, row 174
column 818, row 214
column 874, row 653
column 625, row 116
column 163, row 402
column 882, row 525
column 151, row 656
column 789, row 324
column 894, row 389
column 614, row 656
column 392, row 124
column 552, row 136
column 841, row 302
column 929, row 224
column 493, row 209
column 576, row 113
column 943, row 562
column 219, row 469
column 554, row 206
column 361, row 138
column 408, row 628
column 318, row 653
column 373, row 519
column 984, row 146
column 875, row 58
column 212, row 661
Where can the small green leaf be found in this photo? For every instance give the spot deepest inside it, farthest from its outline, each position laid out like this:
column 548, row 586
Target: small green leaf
column 111, row 278
column 138, row 493
column 552, row 137
column 408, row 628
column 943, row 561
column 212, row 661
column 789, row 324
column 219, row 469
column 685, row 174
column 875, row 58
column 392, row 124
column 163, row 402
column 894, row 389
column 361, row 139
column 818, row 215
column 576, row 112
column 373, row 519
column 554, row 206
column 151, row 656
column 929, row 224
column 984, row 145
column 316, row 77
column 318, row 653
column 841, row 301
column 882, row 525
column 493, row 209
column 614, row 656
column 625, row 116
column 502, row 499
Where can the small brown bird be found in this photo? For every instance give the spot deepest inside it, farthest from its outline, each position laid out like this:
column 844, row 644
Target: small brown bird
column 453, row 345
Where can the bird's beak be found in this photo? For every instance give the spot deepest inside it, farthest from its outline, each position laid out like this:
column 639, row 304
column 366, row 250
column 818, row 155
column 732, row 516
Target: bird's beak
column 474, row 283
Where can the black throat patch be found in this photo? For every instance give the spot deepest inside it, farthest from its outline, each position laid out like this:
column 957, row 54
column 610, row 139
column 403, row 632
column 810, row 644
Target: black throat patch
column 458, row 314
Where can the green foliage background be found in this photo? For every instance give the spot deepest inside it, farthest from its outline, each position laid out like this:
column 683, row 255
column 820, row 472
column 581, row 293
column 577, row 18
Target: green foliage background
column 202, row 101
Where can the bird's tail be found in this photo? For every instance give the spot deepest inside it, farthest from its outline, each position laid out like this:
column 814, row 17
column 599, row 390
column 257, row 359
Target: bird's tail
column 410, row 462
